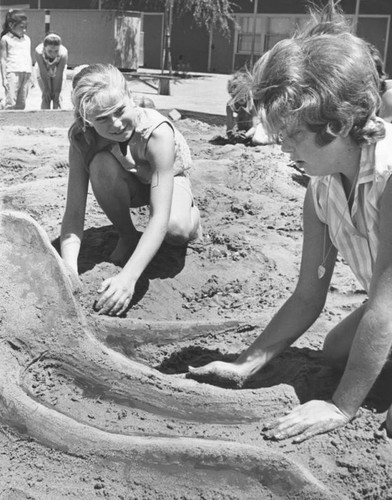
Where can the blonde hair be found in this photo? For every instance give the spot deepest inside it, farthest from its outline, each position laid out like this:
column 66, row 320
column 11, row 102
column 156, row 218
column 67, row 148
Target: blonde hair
column 91, row 86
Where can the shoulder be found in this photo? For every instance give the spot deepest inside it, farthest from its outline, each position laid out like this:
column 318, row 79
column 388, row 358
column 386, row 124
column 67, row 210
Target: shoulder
column 39, row 48
column 63, row 51
column 149, row 121
column 4, row 39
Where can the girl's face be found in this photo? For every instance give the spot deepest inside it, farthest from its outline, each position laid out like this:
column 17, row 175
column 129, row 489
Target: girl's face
column 52, row 51
column 114, row 119
column 19, row 29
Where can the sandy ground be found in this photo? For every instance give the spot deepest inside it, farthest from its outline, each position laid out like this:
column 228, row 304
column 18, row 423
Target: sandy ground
column 193, row 305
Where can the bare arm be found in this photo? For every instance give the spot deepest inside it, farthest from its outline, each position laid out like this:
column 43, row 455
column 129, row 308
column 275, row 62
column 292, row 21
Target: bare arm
column 298, row 313
column 369, row 351
column 43, row 72
column 373, row 339
column 160, row 154
column 59, row 77
column 3, row 61
column 230, row 118
column 73, row 220
column 117, row 292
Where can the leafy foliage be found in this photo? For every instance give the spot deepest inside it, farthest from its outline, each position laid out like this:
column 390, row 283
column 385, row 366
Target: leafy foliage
column 208, row 13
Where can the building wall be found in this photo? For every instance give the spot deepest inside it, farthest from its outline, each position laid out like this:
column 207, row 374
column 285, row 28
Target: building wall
column 91, row 36
column 153, row 38
column 192, row 44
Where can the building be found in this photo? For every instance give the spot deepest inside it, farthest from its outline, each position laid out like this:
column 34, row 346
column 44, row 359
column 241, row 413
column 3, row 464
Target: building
column 258, row 25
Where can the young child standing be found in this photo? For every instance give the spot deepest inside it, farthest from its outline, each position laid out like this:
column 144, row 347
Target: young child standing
column 132, row 156
column 15, row 59
column 52, row 58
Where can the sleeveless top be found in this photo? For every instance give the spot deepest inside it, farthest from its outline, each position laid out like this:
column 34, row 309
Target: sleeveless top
column 132, row 155
column 18, row 53
column 356, row 237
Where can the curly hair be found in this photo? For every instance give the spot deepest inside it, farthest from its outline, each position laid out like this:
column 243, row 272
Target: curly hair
column 323, row 77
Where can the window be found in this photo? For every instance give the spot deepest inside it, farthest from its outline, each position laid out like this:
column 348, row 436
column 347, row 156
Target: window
column 268, row 31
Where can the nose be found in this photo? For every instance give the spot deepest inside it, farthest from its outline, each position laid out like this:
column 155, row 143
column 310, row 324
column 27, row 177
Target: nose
column 116, row 123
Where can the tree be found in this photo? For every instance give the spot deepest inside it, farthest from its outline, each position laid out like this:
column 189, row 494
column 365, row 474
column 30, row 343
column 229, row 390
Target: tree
column 208, row 13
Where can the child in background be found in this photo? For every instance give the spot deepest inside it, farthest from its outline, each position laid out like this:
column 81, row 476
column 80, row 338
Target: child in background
column 15, row 59
column 52, row 58
column 132, row 156
column 242, row 120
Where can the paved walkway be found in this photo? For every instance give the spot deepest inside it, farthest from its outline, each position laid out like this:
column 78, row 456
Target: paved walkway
column 201, row 93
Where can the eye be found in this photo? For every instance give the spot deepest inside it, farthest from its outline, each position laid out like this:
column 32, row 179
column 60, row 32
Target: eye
column 101, row 119
column 119, row 111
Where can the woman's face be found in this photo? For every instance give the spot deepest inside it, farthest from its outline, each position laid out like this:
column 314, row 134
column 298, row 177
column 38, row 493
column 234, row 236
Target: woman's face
column 52, row 51
column 114, row 119
column 304, row 150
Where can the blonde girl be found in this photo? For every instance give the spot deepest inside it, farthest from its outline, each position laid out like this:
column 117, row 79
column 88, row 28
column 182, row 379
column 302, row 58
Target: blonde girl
column 132, row 156
column 15, row 59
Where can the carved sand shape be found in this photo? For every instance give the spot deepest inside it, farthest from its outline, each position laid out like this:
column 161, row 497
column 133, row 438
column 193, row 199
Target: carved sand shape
column 40, row 318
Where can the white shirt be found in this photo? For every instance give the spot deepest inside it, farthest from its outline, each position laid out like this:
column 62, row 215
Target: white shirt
column 18, row 53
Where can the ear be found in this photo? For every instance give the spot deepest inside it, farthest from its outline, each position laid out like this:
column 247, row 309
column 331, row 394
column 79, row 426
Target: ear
column 344, row 131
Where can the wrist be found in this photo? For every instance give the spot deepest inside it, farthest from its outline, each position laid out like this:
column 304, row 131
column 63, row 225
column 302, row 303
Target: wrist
column 248, row 365
column 349, row 413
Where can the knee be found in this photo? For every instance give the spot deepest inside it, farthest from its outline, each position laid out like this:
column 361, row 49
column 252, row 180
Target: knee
column 178, row 231
column 104, row 168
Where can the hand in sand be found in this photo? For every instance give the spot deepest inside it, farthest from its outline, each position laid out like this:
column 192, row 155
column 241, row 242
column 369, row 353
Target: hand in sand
column 307, row 420
column 116, row 294
column 73, row 276
column 220, row 371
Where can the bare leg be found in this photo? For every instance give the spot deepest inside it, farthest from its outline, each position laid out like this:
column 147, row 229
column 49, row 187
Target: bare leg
column 116, row 191
column 338, row 342
column 184, row 223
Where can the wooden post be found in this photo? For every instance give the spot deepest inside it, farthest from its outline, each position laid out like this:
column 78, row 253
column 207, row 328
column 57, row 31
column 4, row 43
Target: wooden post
column 164, row 86
column 47, row 21
column 356, row 16
column 252, row 52
column 164, row 83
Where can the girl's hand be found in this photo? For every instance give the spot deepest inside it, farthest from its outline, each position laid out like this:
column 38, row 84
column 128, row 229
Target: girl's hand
column 307, row 420
column 220, row 373
column 116, row 294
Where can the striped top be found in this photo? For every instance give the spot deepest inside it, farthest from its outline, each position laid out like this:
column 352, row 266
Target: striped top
column 356, row 236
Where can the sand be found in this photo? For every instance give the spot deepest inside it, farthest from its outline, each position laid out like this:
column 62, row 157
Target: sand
column 136, row 427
